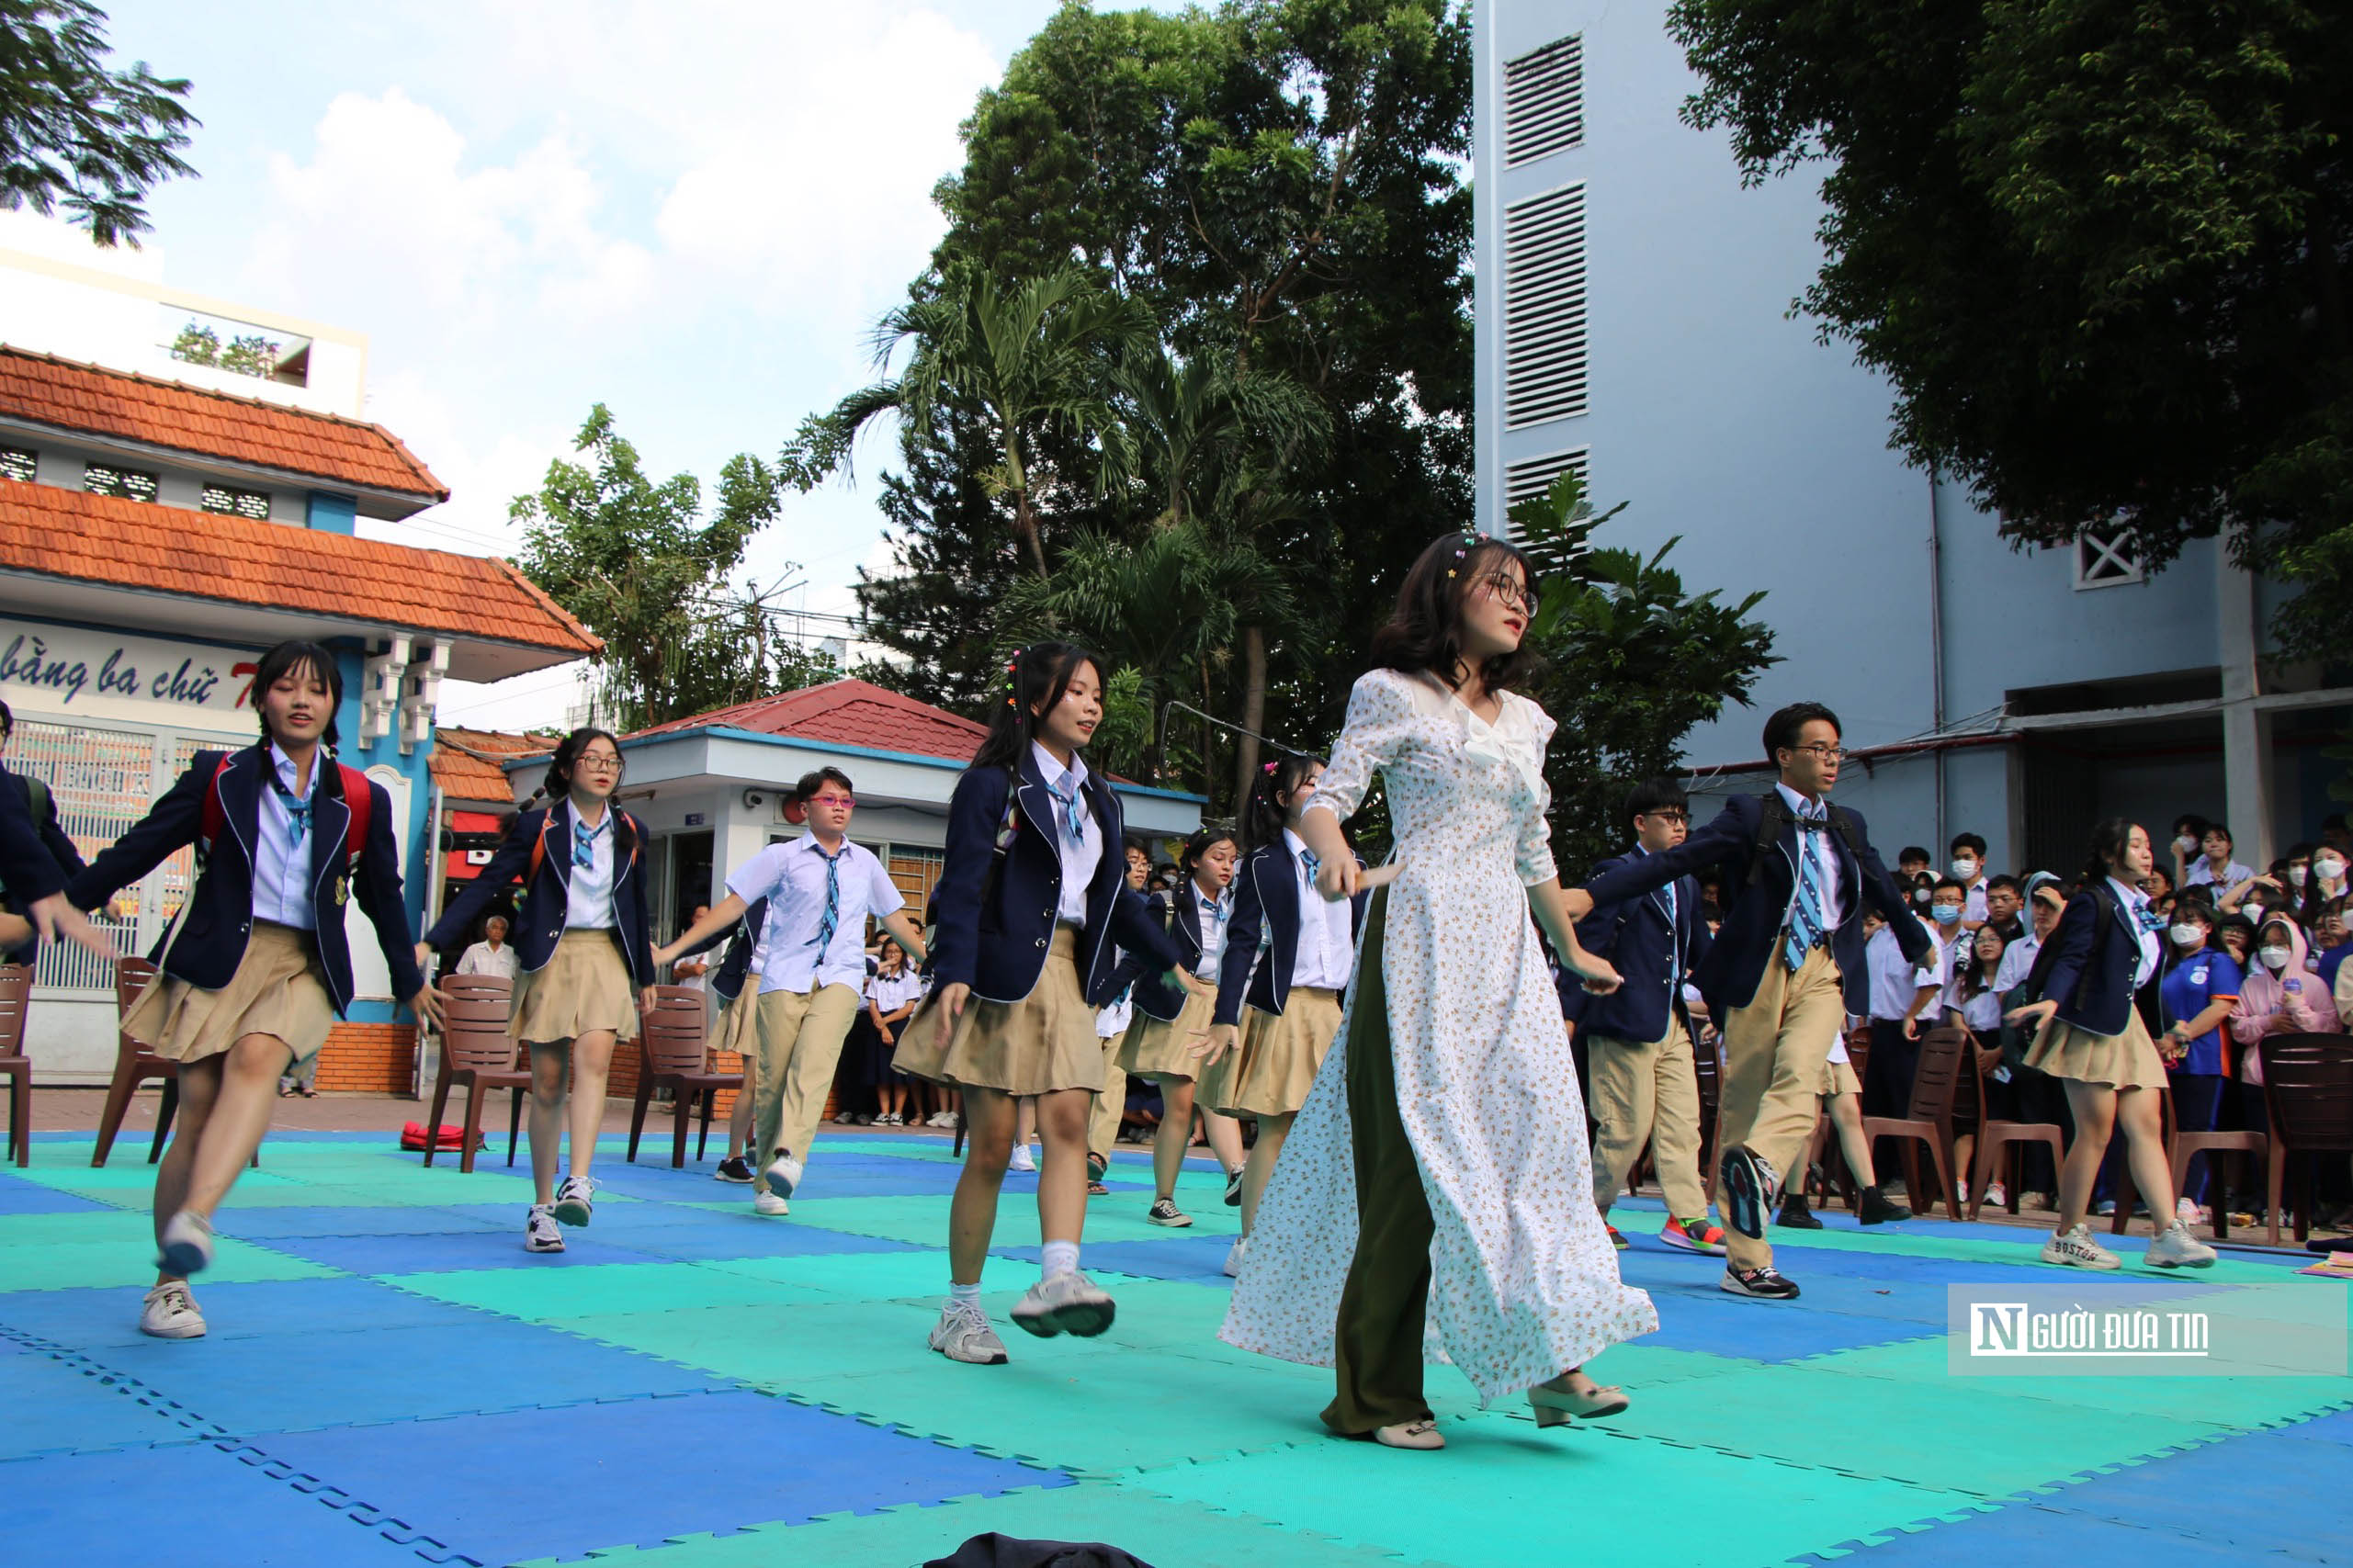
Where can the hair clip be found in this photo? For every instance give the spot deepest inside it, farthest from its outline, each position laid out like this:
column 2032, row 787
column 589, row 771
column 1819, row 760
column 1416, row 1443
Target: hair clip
column 1270, row 767
column 1450, row 571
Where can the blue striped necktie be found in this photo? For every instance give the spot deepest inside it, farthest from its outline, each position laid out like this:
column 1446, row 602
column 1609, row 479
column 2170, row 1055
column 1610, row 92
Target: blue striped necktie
column 1806, row 918
column 830, row 921
column 1067, row 792
column 1314, row 862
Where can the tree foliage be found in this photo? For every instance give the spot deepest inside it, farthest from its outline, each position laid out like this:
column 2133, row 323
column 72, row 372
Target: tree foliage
column 2099, row 246
column 75, row 134
column 1634, row 662
column 636, row 561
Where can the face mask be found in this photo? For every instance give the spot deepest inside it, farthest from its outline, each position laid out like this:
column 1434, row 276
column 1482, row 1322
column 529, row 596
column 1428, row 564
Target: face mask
column 2296, row 875
column 2188, row 934
column 1964, row 870
column 1921, row 894
column 1947, row 914
column 2186, row 845
column 2330, row 870
column 2251, row 909
column 2276, row 957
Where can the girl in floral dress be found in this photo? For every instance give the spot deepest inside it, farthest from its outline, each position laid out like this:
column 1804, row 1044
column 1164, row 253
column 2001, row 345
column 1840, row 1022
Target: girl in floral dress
column 1435, row 1197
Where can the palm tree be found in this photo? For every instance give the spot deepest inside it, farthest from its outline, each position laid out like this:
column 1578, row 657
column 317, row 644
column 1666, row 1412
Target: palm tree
column 1029, row 358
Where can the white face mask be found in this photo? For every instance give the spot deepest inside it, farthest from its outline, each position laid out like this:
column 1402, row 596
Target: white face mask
column 2186, row 934
column 2251, row 909
column 2296, row 875
column 1964, row 869
column 2276, row 957
column 2329, row 868
column 2186, row 845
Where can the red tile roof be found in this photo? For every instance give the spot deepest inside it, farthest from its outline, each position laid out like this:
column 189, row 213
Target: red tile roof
column 466, row 762
column 171, row 549
column 98, row 402
column 847, row 713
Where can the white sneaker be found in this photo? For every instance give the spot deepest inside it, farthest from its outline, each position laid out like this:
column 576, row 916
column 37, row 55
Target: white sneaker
column 769, row 1203
column 1997, row 1195
column 963, row 1335
column 944, row 1119
column 170, row 1312
column 576, row 1200
column 1234, row 1255
column 784, row 1173
column 2074, row 1247
column 1022, row 1160
column 1068, row 1304
column 540, row 1232
column 2174, row 1247
column 187, row 1245
column 2184, row 1210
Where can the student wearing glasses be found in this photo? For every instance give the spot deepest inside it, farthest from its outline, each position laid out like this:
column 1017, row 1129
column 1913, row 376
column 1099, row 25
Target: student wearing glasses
column 585, row 955
column 820, row 889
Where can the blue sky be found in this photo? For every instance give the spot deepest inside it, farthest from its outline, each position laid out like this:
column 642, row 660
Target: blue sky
column 692, row 212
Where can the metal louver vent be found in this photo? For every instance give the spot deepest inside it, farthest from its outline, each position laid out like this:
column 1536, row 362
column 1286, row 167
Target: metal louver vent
column 1544, row 308
column 1534, row 476
column 1544, row 102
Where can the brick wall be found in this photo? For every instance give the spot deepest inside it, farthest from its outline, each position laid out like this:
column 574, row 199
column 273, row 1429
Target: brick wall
column 367, row 1059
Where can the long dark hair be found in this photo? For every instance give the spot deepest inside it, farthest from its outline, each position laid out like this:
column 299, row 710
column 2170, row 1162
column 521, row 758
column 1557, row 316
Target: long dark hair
column 560, row 766
column 2108, row 842
column 1035, row 681
column 289, row 658
column 1203, row 841
column 1267, row 816
column 1425, row 631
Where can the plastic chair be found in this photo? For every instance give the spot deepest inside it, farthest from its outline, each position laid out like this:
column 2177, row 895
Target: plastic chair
column 1946, row 1053
column 2006, row 1141
column 1824, row 1144
column 673, row 1033
column 2308, row 1088
column 2185, row 1144
column 16, row 998
column 133, row 1064
column 2127, row 1197
column 478, row 1051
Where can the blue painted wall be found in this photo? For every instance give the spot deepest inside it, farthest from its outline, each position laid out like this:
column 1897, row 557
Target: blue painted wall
column 333, row 513
column 419, row 851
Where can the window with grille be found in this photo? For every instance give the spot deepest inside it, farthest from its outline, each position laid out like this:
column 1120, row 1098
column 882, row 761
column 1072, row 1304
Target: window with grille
column 1544, row 102
column 18, row 463
column 131, row 484
column 227, row 503
column 915, row 872
column 2104, row 557
column 1534, row 476
column 1544, row 308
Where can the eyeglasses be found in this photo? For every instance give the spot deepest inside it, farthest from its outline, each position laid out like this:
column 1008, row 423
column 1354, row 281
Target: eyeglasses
column 1670, row 815
column 1824, row 749
column 1509, row 590
column 844, row 802
column 598, row 762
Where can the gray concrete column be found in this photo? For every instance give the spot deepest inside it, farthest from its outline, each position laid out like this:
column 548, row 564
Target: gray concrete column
column 2246, row 730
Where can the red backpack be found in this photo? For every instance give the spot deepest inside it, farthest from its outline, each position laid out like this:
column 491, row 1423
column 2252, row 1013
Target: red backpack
column 356, row 797
column 539, row 846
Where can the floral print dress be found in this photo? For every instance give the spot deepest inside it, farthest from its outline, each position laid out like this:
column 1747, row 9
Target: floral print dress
column 1524, row 1280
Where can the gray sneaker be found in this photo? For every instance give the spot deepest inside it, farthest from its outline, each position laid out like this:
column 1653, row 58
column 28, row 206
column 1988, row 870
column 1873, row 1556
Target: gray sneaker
column 186, row 1245
column 575, row 1200
column 1068, row 1304
column 170, row 1312
column 963, row 1335
column 2074, row 1247
column 2174, row 1247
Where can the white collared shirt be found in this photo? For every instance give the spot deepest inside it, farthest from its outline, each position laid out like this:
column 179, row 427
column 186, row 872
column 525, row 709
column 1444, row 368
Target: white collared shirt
column 1894, row 981
column 1212, row 914
column 1080, row 859
column 483, row 959
column 2132, row 901
column 282, row 863
column 890, row 992
column 588, row 889
column 1666, row 895
column 2201, row 875
column 1327, row 952
column 2017, row 960
column 791, row 876
column 1972, row 902
column 1826, row 863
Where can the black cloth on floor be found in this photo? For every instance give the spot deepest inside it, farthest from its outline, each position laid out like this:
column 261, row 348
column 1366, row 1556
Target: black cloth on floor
column 994, row 1550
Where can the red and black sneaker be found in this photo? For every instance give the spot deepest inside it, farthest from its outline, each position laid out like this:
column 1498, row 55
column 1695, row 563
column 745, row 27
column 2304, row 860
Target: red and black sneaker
column 1617, row 1240
column 1700, row 1235
column 1764, row 1284
column 1748, row 1184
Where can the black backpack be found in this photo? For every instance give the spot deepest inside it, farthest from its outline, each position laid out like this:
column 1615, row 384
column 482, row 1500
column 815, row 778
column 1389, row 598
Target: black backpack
column 1776, row 816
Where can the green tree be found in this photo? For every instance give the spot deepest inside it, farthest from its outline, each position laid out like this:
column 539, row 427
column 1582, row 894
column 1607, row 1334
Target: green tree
column 75, row 134
column 2099, row 247
column 1635, row 661
column 637, row 563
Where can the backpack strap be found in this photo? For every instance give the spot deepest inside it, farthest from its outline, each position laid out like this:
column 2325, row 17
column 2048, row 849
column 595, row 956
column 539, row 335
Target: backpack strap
column 1007, row 831
column 213, row 817
column 359, row 801
column 539, row 851
column 37, row 798
column 1772, row 816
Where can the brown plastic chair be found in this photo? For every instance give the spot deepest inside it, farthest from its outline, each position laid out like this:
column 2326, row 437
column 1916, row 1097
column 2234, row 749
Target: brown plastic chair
column 16, row 998
column 674, row 1034
column 1947, row 1052
column 133, row 1064
column 2127, row 1197
column 2006, row 1141
column 2248, row 1142
column 2308, row 1088
column 478, row 1051
column 1824, row 1146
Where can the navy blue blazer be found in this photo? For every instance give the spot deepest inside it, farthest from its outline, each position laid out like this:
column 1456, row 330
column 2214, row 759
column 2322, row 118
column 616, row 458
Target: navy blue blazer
column 1650, row 956
column 1155, row 997
column 66, row 858
column 210, row 942
column 726, row 980
column 1751, row 937
column 28, row 864
column 540, row 922
column 1000, row 950
column 1266, row 900
column 2106, row 976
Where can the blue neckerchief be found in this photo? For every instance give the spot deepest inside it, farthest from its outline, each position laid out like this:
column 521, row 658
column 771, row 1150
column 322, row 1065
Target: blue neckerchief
column 298, row 807
column 1067, row 792
column 830, row 921
column 584, row 839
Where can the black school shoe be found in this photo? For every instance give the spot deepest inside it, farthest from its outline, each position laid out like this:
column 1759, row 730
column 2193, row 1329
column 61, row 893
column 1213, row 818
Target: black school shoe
column 1747, row 1187
column 1795, row 1215
column 1875, row 1210
column 1764, row 1284
column 1234, row 1188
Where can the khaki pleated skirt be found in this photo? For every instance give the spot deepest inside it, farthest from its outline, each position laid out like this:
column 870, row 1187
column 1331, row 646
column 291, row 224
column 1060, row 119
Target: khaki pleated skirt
column 277, row 990
column 735, row 1028
column 583, row 988
column 1043, row 1043
column 2129, row 1060
column 1838, row 1077
column 1154, row 1049
column 1272, row 1073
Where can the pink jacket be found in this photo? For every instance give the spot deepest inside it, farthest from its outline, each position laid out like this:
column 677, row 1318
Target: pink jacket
column 2268, row 1007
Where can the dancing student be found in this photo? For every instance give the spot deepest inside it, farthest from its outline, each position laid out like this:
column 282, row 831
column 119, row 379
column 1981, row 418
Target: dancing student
column 1645, row 1089
column 1438, row 1171
column 2091, row 1036
column 736, row 984
column 1112, row 1021
column 821, row 888
column 1786, row 970
column 586, row 955
column 891, row 993
column 256, row 968
column 1030, row 902
column 1159, row 1044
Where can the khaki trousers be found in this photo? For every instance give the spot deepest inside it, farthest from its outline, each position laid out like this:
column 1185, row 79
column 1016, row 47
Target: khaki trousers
column 1647, row 1094
column 1111, row 1101
column 1773, row 1051
column 801, row 1044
